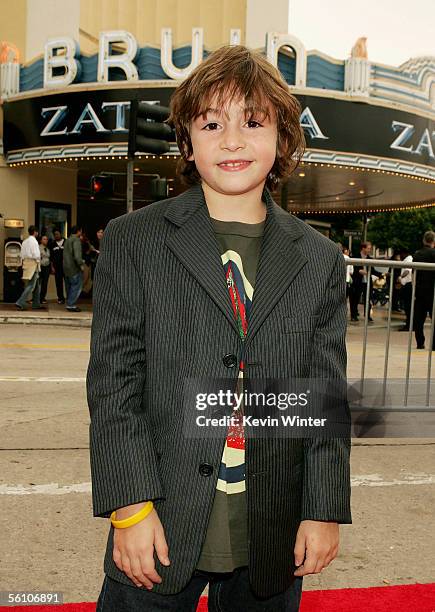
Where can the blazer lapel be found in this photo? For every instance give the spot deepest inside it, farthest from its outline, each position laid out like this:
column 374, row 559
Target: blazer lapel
column 195, row 244
column 280, row 261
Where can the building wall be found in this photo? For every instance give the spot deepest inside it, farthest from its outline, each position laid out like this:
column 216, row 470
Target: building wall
column 145, row 19
column 13, row 24
column 20, row 188
column 29, row 23
column 48, row 19
column 262, row 17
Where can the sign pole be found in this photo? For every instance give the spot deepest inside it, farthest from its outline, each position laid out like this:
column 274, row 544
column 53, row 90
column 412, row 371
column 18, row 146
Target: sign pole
column 365, row 223
column 350, row 234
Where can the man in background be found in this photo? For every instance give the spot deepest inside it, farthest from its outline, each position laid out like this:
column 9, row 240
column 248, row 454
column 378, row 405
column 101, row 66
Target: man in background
column 31, row 260
column 73, row 266
column 361, row 283
column 424, row 287
column 56, row 253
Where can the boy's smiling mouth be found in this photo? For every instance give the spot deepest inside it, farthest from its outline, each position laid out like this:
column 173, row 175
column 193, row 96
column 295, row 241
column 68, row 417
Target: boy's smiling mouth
column 233, row 165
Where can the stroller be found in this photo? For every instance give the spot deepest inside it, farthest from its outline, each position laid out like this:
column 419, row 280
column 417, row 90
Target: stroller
column 379, row 293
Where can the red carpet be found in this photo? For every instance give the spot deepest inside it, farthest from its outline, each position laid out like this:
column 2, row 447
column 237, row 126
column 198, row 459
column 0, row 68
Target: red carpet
column 402, row 598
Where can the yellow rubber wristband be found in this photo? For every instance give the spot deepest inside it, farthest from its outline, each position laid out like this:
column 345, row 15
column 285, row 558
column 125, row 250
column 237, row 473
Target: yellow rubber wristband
column 132, row 520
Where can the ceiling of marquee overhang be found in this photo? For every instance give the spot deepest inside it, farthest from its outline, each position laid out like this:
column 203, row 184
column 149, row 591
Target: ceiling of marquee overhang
column 319, row 190
column 313, row 189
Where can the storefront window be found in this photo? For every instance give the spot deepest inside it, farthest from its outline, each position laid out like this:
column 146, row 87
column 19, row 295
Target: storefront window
column 50, row 216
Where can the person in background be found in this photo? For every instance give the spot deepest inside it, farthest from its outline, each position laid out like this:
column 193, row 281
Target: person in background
column 31, row 258
column 405, row 279
column 45, row 267
column 349, row 272
column 397, row 285
column 73, row 266
column 56, row 251
column 87, row 250
column 99, row 238
column 359, row 287
column 424, row 287
column 96, row 250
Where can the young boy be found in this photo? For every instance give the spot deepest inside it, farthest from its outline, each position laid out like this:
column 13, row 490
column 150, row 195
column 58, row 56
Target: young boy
column 216, row 283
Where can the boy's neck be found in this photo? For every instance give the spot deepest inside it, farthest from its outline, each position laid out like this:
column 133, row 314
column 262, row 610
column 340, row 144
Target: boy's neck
column 244, row 208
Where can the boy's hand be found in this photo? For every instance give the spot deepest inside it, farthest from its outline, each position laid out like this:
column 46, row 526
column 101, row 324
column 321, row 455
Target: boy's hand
column 133, row 547
column 317, row 541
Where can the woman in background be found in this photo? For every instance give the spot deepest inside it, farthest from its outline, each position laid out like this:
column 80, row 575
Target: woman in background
column 45, row 267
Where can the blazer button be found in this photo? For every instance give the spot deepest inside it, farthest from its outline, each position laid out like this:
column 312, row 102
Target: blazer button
column 205, row 469
column 229, row 360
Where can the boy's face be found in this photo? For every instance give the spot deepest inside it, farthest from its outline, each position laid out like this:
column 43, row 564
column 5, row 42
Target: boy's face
column 233, row 154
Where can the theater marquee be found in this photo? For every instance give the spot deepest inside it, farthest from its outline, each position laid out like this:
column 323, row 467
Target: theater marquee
column 94, row 123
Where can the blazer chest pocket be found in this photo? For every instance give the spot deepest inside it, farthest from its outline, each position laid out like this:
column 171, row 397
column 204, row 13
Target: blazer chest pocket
column 300, row 323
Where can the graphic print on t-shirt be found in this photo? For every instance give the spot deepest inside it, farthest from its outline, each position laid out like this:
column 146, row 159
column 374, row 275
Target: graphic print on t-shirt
column 232, row 469
column 226, row 543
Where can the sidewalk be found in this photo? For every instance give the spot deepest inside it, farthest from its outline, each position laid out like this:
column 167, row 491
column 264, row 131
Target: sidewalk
column 54, row 314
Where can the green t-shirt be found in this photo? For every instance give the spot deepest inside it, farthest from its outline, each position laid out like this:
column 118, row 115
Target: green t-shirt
column 225, row 546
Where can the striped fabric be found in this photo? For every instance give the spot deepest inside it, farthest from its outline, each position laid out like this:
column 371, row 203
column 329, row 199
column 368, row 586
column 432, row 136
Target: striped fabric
column 162, row 316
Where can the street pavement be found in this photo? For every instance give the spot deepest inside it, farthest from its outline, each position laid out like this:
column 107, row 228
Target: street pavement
column 49, row 538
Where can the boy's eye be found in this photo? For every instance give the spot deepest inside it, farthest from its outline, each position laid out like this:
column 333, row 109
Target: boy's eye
column 214, row 125
column 210, row 126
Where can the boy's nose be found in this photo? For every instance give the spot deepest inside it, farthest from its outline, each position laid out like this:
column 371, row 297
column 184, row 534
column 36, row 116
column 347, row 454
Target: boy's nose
column 232, row 140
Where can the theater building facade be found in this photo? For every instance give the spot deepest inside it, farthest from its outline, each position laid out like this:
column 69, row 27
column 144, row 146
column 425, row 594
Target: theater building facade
column 369, row 127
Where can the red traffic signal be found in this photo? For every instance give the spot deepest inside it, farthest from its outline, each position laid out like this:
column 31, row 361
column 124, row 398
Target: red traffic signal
column 102, row 185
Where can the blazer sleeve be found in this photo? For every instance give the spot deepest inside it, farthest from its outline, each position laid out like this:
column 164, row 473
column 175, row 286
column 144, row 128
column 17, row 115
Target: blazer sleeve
column 123, row 461
column 326, row 486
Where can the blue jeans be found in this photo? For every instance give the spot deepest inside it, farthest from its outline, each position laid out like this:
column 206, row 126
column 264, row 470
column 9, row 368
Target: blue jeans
column 73, row 289
column 229, row 592
column 32, row 287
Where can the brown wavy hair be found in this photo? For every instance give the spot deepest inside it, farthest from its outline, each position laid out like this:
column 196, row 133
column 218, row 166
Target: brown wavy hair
column 233, row 72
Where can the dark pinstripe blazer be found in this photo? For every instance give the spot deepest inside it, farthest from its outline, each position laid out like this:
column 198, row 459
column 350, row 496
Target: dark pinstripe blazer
column 162, row 313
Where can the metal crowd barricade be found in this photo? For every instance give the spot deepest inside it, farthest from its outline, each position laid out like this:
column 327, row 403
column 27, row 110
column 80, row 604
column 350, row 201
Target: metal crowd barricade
column 390, row 264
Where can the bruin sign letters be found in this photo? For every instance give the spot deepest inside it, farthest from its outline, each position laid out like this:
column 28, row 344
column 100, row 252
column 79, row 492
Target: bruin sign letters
column 62, row 64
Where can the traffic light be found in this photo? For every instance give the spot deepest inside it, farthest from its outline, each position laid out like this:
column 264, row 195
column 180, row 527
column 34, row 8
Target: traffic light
column 159, row 189
column 147, row 133
column 102, row 185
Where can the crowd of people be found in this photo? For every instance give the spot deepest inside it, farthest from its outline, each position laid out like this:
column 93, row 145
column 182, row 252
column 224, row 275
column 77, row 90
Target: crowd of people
column 71, row 260
column 357, row 282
